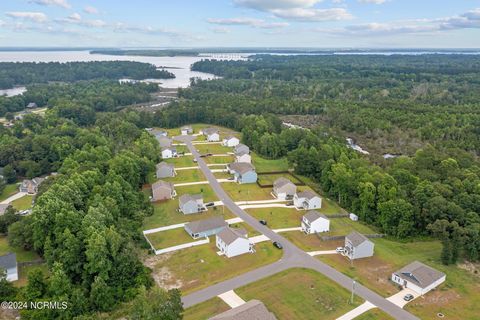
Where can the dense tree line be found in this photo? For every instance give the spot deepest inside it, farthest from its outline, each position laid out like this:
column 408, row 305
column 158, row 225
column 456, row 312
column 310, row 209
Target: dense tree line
column 25, row 73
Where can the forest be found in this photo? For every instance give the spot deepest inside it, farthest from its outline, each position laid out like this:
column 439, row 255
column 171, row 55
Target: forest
column 26, row 73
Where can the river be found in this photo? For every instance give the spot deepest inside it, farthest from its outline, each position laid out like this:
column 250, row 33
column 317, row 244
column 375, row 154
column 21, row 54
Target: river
column 179, row 66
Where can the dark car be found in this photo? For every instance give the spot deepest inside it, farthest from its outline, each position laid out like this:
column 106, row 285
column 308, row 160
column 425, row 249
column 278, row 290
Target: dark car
column 277, row 245
column 210, row 204
column 263, row 222
column 408, row 297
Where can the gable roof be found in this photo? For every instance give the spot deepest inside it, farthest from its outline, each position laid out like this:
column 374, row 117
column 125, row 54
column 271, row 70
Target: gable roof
column 313, row 215
column 209, row 131
column 164, row 164
column 241, row 167
column 240, row 146
column 164, row 141
column 183, row 199
column 206, row 224
column 420, row 274
column 241, row 153
column 307, row 194
column 8, row 261
column 281, row 182
column 251, row 310
column 356, row 238
column 229, row 235
column 173, row 149
column 160, row 184
column 231, row 137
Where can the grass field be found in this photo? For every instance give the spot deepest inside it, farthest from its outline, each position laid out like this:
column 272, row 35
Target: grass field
column 246, row 192
column 218, row 160
column 212, row 148
column 204, row 189
column 300, row 294
column 23, row 203
column 266, row 165
column 169, row 238
column 199, row 267
column 311, row 242
column 374, row 314
column 269, row 179
column 10, row 190
column 183, row 161
column 343, row 226
column 222, row 175
column 206, row 309
column 191, row 175
column 278, row 217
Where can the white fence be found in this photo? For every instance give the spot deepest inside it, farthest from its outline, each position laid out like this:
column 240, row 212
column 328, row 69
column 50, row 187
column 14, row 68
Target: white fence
column 182, row 246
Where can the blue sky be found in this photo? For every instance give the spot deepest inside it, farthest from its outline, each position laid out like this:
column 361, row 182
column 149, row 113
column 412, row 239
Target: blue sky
column 248, row 23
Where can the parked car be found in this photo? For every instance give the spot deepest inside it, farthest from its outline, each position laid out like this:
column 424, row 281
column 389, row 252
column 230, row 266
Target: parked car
column 231, row 178
column 195, row 160
column 340, row 250
column 210, row 204
column 408, row 297
column 277, row 245
column 264, row 222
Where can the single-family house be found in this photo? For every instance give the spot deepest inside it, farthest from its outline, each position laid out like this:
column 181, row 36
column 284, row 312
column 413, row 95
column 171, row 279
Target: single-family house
column 358, row 246
column 3, row 208
column 8, row 263
column 32, row 105
column 418, row 277
column 307, row 200
column 205, row 228
column 251, row 310
column 31, row 186
column 243, row 156
column 165, row 170
column 284, row 189
column 241, row 147
column 242, row 172
column 162, row 190
column 164, row 142
column 314, row 222
column 233, row 242
column 169, row 152
column 230, row 141
column 186, row 130
column 212, row 134
column 189, row 204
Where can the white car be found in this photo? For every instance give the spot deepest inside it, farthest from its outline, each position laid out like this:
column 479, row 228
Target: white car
column 340, row 250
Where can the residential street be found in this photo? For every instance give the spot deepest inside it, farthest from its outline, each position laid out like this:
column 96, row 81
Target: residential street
column 293, row 257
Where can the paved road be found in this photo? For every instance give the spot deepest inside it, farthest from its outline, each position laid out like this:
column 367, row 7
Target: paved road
column 292, row 256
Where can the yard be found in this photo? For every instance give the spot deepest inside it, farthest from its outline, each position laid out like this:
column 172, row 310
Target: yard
column 278, row 217
column 222, row 175
column 300, row 294
column 199, row 267
column 23, row 203
column 22, row 255
column 183, row 161
column 191, row 175
column 204, row 189
column 169, row 238
column 219, row 159
column 267, row 165
column 10, row 190
column 311, row 242
column 343, row 226
column 216, row 148
column 206, row 309
column 269, row 179
column 246, row 192
column 374, row 314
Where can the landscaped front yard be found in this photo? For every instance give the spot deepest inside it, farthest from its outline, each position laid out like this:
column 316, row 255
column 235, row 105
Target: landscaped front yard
column 278, row 217
column 190, row 175
column 204, row 189
column 311, row 242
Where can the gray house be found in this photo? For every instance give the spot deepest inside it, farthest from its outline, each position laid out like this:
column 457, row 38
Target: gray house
column 307, row 200
column 8, row 263
column 205, row 228
column 186, row 130
column 358, row 246
column 165, row 142
column 419, row 277
column 165, row 170
column 162, row 190
column 189, row 204
column 3, row 208
column 284, row 188
column 31, row 186
column 241, row 148
column 243, row 172
column 252, row 310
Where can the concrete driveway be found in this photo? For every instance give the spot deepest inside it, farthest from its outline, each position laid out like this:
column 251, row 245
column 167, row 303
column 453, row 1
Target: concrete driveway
column 231, row 298
column 14, row 197
column 398, row 297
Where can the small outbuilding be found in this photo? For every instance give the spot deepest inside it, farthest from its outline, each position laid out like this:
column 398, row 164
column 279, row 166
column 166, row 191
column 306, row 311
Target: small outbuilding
column 418, row 277
column 358, row 246
column 314, row 222
column 205, row 228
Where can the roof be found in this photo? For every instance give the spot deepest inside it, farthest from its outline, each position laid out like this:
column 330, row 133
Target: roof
column 241, row 145
column 241, row 167
column 281, row 182
column 420, row 274
column 162, row 184
column 187, row 127
column 307, row 194
column 209, row 131
column 188, row 197
column 3, row 208
column 8, row 261
column 229, row 235
column 252, row 310
column 313, row 215
column 356, row 238
column 169, row 148
column 241, row 153
column 206, row 224
column 165, row 165
column 231, row 137
column 164, row 141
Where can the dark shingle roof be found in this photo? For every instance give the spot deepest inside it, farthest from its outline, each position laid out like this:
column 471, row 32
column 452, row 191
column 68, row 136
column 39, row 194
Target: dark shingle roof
column 307, row 194
column 229, row 235
column 252, row 310
column 420, row 274
column 206, row 224
column 8, row 261
column 313, row 215
column 356, row 238
column 241, row 167
column 162, row 184
column 188, row 197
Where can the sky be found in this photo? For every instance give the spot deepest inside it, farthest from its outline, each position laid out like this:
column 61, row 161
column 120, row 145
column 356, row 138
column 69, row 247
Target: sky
column 241, row 23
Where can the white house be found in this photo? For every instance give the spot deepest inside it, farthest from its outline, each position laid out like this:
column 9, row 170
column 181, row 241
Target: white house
column 169, row 152
column 212, row 134
column 418, row 277
column 186, row 130
column 233, row 242
column 284, row 189
column 8, row 263
column 358, row 246
column 314, row 221
column 230, row 141
column 307, row 200
column 243, row 156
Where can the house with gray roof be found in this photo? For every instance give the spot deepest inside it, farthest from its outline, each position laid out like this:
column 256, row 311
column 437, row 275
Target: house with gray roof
column 189, row 204
column 8, row 263
column 233, row 242
column 32, row 105
column 418, row 277
column 284, row 189
column 242, row 172
column 243, row 156
column 31, row 186
column 186, row 130
column 314, row 222
column 307, row 200
column 358, row 246
column 162, row 190
column 212, row 134
column 3, row 208
column 230, row 141
column 241, row 147
column 205, row 228
column 164, row 142
column 251, row 310
column 165, row 170
column 169, row 152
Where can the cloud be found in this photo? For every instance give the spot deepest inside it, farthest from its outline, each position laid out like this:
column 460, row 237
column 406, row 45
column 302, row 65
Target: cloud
column 90, row 10
column 373, row 1
column 38, row 17
column 267, row 5
column 256, row 23
column 214, row 29
column 60, row 3
column 76, row 18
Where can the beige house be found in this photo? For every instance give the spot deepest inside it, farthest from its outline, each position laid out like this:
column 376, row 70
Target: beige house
column 162, row 190
column 284, row 189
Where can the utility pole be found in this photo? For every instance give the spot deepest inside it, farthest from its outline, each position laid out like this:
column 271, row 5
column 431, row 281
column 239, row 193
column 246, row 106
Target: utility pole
column 353, row 291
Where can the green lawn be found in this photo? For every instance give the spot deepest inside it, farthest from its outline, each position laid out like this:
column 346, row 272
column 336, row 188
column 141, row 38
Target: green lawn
column 343, row 226
column 22, row 254
column 266, row 165
column 251, row 231
column 300, row 294
column 169, row 238
column 10, row 190
column 206, row 309
column 213, row 148
column 266, row 179
column 191, row 175
column 246, row 192
column 311, row 242
column 374, row 314
column 183, row 161
column 199, row 267
column 278, row 217
column 221, row 175
column 205, row 189
column 219, row 159
column 23, row 203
